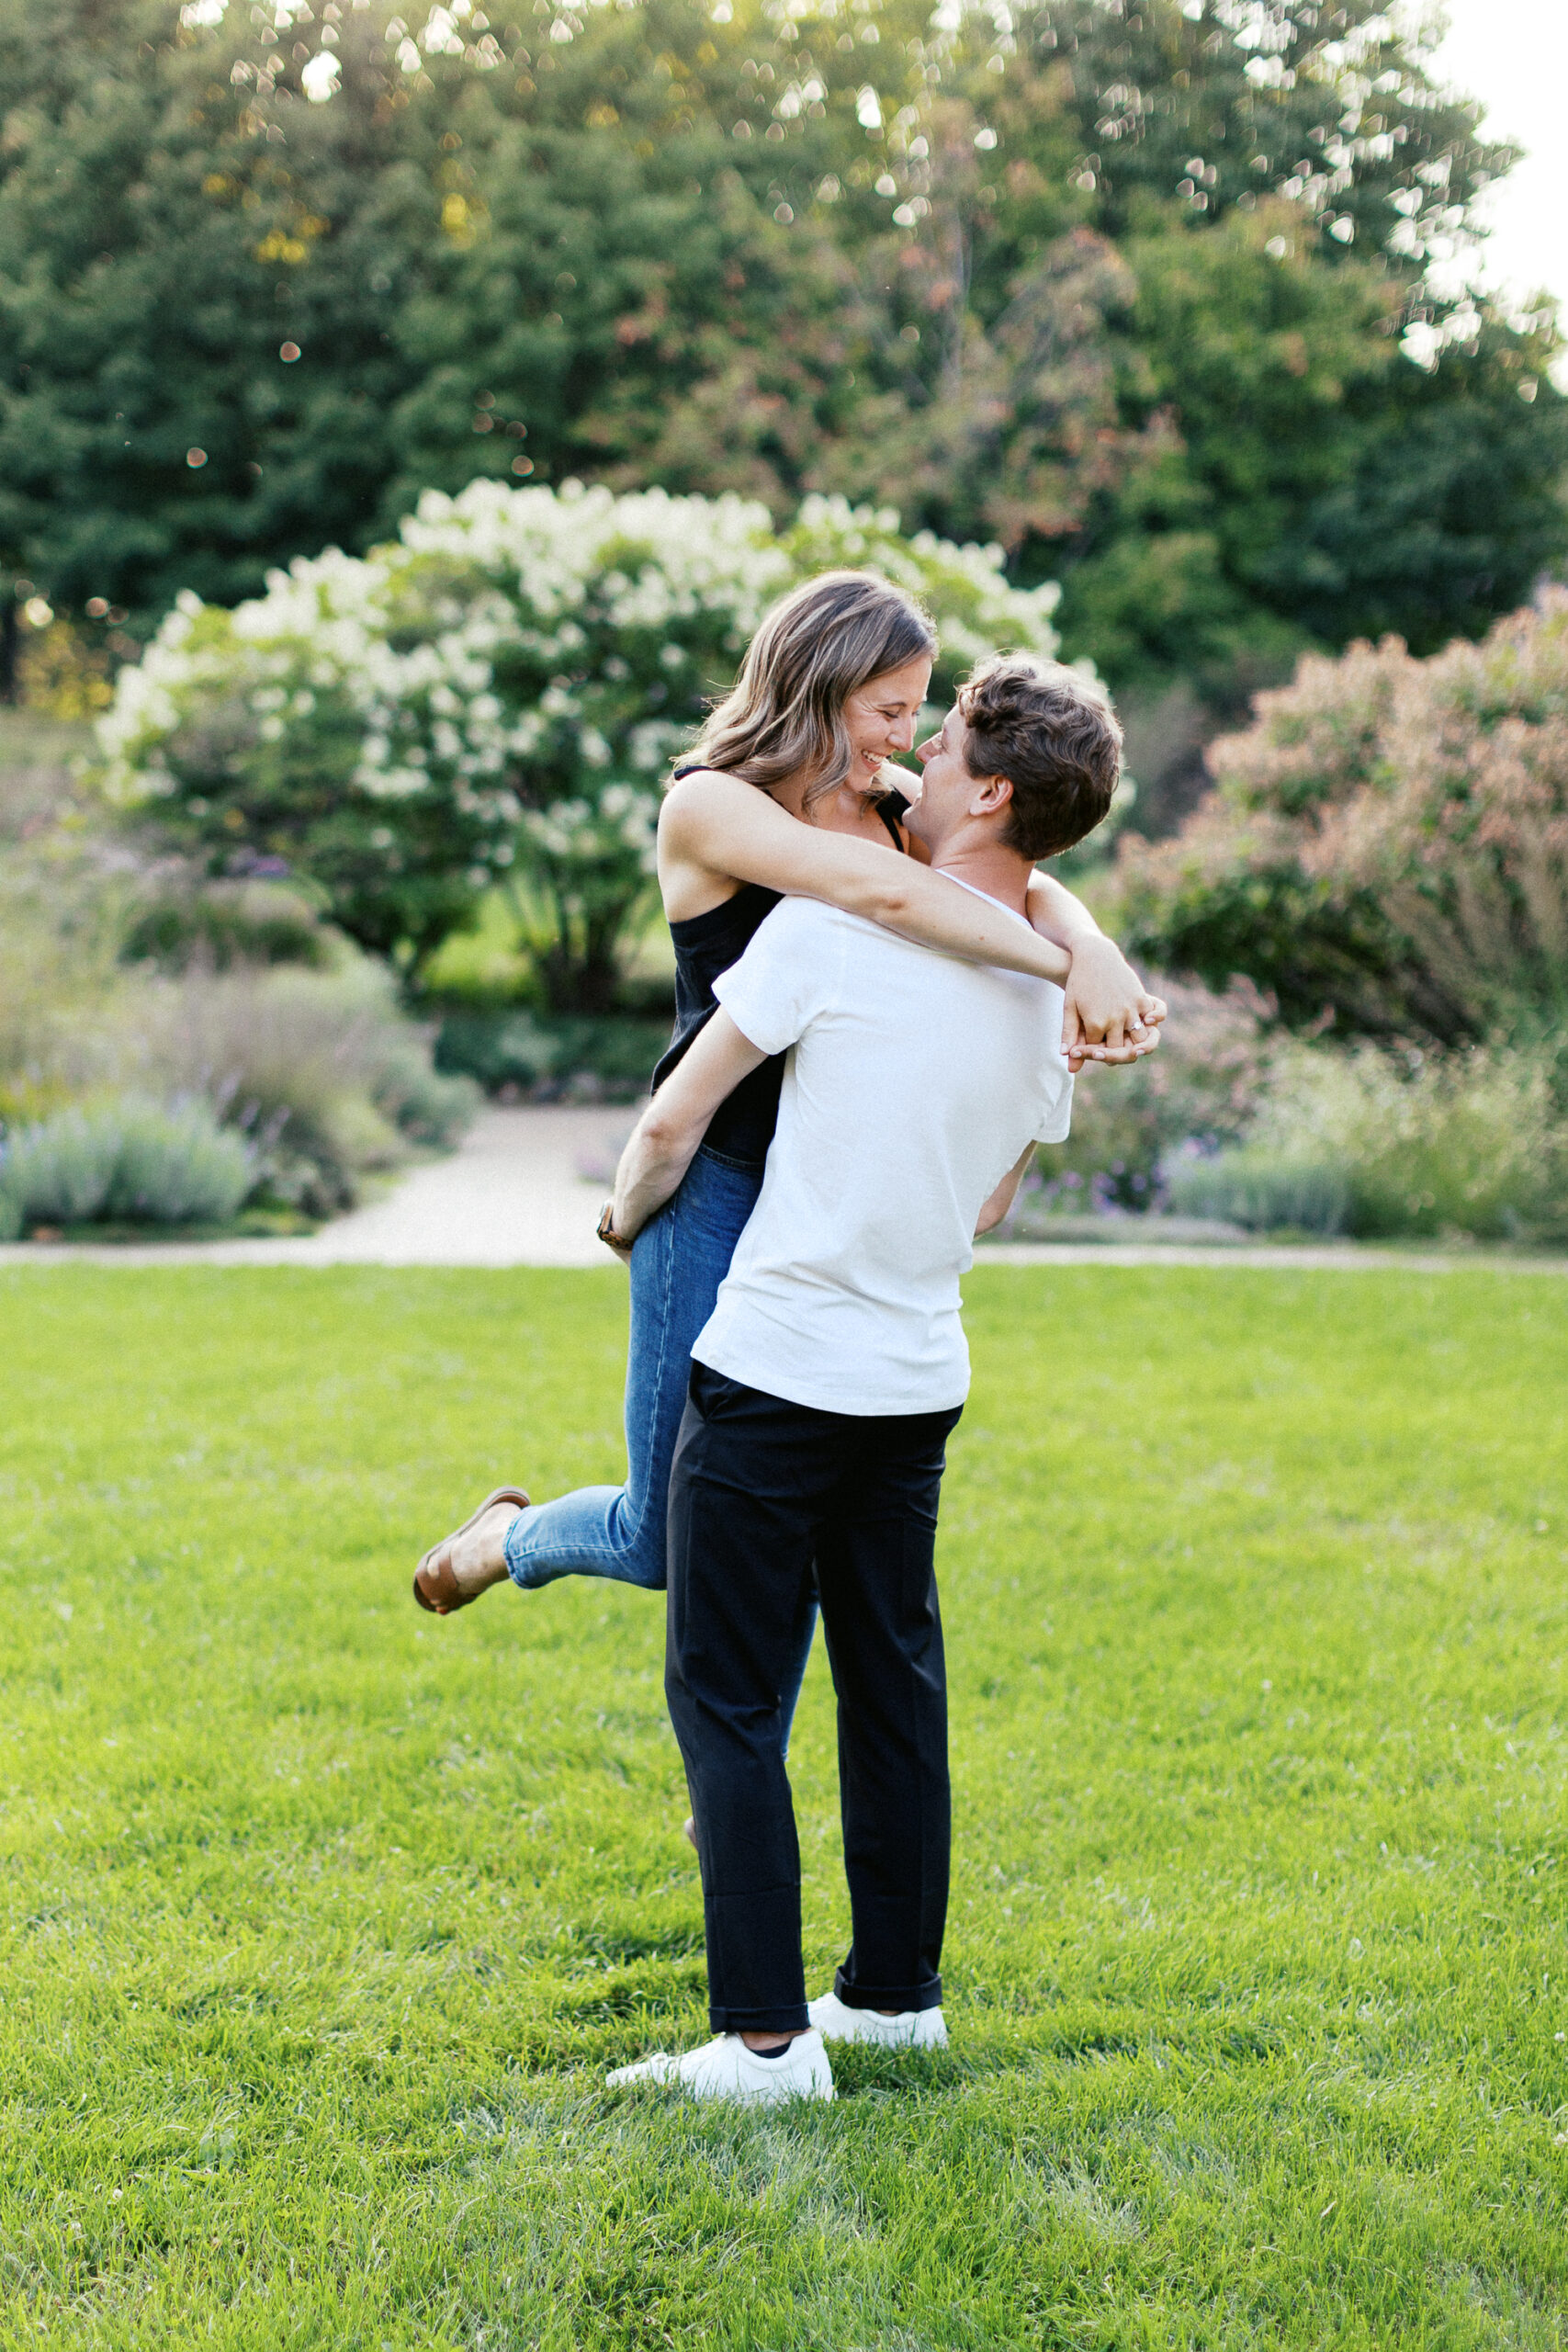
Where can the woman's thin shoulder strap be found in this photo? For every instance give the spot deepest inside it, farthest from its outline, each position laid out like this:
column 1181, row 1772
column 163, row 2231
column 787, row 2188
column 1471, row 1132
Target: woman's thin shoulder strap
column 891, row 809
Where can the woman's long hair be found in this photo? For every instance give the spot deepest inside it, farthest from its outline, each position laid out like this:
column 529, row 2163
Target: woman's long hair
column 785, row 712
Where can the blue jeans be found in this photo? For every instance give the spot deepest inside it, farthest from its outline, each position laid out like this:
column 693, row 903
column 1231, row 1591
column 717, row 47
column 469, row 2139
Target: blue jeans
column 679, row 1260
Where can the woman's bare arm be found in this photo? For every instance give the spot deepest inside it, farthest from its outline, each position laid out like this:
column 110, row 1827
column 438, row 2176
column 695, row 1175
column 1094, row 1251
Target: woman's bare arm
column 663, row 1143
column 719, row 826
column 1109, row 1015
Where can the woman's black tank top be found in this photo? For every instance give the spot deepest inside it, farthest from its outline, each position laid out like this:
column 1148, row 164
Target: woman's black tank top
column 707, row 944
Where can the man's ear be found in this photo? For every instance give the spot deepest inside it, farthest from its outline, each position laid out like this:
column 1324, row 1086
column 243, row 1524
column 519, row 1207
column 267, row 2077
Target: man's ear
column 991, row 793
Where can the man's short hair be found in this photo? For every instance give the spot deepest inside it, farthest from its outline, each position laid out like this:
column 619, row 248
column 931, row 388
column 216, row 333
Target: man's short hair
column 1052, row 732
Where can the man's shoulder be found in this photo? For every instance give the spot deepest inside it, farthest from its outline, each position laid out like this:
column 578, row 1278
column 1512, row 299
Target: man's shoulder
column 798, row 919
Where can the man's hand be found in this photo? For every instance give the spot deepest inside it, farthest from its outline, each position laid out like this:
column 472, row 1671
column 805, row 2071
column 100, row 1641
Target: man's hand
column 1110, row 1016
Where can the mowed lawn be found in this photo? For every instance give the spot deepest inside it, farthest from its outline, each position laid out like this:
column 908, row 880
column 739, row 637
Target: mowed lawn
column 320, row 1920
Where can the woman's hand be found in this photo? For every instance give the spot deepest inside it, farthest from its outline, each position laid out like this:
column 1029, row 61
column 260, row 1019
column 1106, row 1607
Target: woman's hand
column 606, row 1230
column 1109, row 1015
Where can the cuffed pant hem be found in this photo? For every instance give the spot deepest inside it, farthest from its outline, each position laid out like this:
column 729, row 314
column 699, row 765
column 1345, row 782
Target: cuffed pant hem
column 535, row 1577
column 789, row 2016
column 897, row 1997
column 533, row 1560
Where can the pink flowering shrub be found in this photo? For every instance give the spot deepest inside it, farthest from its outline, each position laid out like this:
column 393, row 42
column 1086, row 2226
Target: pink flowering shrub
column 1463, row 836
column 1387, row 848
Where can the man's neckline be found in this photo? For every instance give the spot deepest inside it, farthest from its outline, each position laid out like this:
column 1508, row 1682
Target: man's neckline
column 975, row 891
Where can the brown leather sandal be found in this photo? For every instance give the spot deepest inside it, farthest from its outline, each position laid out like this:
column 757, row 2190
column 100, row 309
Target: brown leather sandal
column 439, row 1594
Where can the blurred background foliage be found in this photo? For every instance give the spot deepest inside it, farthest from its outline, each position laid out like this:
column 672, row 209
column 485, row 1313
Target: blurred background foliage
column 1387, row 850
column 172, row 1050
column 1139, row 292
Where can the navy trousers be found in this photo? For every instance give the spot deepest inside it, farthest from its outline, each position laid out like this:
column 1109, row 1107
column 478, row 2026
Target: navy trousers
column 762, row 1488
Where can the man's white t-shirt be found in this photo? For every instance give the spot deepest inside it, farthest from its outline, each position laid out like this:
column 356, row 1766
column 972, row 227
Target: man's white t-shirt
column 914, row 1083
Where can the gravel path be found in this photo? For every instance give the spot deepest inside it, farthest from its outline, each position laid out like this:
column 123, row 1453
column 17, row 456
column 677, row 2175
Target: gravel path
column 525, row 1188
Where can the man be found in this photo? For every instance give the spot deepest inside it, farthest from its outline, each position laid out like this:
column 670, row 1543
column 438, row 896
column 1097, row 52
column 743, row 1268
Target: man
column 833, row 1369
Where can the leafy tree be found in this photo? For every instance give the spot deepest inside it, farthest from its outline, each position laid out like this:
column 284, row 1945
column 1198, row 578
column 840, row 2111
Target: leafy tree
column 1214, row 106
column 1013, row 281
column 1315, row 480
column 171, row 279
column 1309, row 446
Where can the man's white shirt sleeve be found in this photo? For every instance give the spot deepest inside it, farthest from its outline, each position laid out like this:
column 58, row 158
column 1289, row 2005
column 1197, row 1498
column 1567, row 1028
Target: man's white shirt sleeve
column 1058, row 1123
column 787, row 976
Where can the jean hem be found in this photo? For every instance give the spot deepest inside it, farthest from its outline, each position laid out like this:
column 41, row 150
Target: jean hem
column 785, row 2016
column 595, row 1565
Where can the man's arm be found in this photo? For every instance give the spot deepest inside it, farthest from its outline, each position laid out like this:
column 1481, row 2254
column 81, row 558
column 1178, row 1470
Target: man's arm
column 1002, row 1199
column 663, row 1144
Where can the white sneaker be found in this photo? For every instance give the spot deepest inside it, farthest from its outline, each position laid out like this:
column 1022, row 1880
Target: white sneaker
column 910, row 2030
column 727, row 2069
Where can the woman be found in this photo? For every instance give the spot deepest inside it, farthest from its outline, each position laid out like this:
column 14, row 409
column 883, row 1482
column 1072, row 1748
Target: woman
column 784, row 793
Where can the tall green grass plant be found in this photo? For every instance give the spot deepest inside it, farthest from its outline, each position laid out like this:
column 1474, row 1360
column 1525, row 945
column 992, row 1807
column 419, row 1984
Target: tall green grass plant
column 1472, row 1144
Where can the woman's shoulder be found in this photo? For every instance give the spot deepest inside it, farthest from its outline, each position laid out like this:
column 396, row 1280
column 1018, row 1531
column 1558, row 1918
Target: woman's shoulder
column 699, row 806
column 687, row 769
column 693, row 783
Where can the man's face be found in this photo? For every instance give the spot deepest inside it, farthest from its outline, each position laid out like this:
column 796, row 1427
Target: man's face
column 942, row 796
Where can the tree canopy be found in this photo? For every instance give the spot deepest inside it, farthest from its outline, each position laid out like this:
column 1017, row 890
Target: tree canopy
column 1137, row 292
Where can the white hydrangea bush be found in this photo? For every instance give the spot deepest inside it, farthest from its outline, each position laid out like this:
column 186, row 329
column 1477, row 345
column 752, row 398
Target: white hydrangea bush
column 500, row 692
column 976, row 609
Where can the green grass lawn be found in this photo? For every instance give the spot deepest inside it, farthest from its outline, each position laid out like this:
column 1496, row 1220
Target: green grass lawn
column 322, row 1920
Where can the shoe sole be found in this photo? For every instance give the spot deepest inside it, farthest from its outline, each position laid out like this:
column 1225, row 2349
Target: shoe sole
column 909, row 2041
column 784, row 2097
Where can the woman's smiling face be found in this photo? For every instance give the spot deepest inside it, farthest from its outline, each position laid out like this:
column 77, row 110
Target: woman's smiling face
column 880, row 717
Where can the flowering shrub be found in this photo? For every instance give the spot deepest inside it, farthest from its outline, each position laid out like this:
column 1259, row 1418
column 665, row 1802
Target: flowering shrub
column 1463, row 838
column 1389, row 840
column 318, row 1069
column 495, row 697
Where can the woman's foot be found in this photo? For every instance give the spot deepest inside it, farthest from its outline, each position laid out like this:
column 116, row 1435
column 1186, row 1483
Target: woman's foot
column 455, row 1572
